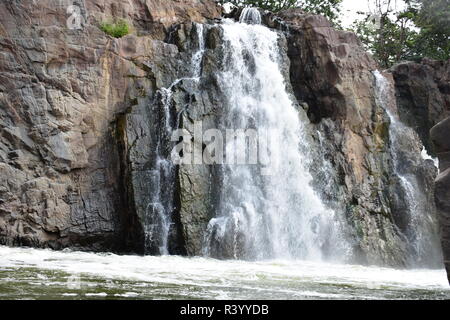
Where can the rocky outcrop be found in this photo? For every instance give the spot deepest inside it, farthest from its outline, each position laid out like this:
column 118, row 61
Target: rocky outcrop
column 423, row 95
column 175, row 102
column 64, row 166
column 423, row 99
column 439, row 136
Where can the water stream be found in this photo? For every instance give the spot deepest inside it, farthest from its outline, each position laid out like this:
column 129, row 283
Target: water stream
column 262, row 213
column 158, row 220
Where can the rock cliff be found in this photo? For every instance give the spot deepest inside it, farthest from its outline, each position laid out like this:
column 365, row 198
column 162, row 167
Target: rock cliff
column 423, row 97
column 439, row 136
column 62, row 94
column 85, row 119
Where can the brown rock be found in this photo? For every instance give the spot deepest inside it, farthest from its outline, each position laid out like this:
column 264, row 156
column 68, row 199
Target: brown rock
column 61, row 91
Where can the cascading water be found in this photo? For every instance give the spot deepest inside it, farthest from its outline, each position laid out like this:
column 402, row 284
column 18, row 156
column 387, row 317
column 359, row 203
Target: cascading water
column 162, row 176
column 421, row 227
column 266, row 212
column 158, row 219
column 250, row 16
column 275, row 214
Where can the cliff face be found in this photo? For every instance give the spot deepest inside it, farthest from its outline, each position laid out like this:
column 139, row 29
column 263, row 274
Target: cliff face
column 85, row 124
column 61, row 93
column 423, row 97
column 439, row 136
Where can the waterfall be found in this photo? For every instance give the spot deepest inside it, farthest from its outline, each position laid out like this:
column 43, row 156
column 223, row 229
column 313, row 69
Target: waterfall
column 250, row 16
column 158, row 218
column 276, row 213
column 421, row 226
column 159, row 214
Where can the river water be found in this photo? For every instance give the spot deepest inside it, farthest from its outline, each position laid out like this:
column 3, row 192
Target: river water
column 45, row 274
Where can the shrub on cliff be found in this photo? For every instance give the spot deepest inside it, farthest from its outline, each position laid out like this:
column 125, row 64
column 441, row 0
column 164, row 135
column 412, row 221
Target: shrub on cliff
column 117, row 29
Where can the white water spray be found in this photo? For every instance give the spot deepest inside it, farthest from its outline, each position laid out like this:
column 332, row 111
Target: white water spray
column 426, row 156
column 267, row 216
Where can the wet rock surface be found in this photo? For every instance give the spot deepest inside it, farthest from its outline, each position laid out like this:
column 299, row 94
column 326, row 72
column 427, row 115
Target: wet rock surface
column 65, row 177
column 423, row 99
column 439, row 136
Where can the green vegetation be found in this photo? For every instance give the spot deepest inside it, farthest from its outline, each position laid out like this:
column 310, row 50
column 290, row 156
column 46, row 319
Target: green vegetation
column 421, row 30
column 328, row 8
column 117, row 29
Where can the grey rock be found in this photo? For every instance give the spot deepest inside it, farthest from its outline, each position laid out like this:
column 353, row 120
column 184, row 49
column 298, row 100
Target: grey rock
column 423, row 95
column 439, row 135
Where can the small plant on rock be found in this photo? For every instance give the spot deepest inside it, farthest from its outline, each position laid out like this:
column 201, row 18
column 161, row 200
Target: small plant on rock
column 117, row 29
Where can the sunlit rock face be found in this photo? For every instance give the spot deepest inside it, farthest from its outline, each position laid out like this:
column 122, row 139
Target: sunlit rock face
column 423, row 95
column 65, row 174
column 85, row 135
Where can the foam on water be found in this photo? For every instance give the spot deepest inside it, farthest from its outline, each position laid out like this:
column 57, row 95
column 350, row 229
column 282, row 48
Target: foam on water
column 422, row 229
column 162, row 276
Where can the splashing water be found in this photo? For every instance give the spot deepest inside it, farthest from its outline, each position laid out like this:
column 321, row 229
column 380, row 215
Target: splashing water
column 426, row 156
column 44, row 274
column 250, row 16
column 421, row 229
column 158, row 220
column 260, row 215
